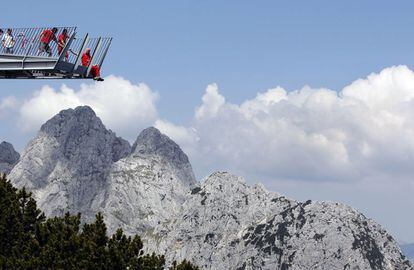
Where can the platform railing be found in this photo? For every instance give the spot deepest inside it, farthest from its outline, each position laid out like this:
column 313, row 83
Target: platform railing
column 75, row 49
column 26, row 54
column 78, row 47
column 101, row 52
column 27, row 41
column 99, row 48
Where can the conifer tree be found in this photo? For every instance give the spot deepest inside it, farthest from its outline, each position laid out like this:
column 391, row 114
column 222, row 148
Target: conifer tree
column 30, row 241
column 184, row 265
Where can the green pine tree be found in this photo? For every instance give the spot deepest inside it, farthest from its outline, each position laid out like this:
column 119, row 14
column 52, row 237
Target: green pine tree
column 30, row 241
column 184, row 265
column 95, row 243
column 124, row 251
column 151, row 262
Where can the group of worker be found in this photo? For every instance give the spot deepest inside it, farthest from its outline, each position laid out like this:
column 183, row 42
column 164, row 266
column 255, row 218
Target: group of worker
column 48, row 35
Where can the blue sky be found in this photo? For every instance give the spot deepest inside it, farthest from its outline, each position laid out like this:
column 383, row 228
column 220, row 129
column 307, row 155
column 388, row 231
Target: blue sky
column 177, row 48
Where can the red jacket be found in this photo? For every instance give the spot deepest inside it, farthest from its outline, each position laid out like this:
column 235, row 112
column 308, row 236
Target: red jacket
column 63, row 38
column 86, row 59
column 47, row 36
column 62, row 41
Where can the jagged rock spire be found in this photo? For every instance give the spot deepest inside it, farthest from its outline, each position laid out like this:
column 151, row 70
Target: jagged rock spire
column 67, row 163
column 8, row 157
column 152, row 142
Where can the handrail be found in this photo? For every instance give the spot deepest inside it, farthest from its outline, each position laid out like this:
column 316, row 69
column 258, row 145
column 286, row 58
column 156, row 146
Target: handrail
column 26, row 39
column 26, row 54
column 105, row 52
column 79, row 53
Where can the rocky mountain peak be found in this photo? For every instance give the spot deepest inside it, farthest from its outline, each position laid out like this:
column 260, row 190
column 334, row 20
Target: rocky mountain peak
column 221, row 182
column 227, row 224
column 80, row 131
column 67, row 163
column 8, row 157
column 82, row 116
column 8, row 154
column 152, row 142
column 221, row 179
column 75, row 164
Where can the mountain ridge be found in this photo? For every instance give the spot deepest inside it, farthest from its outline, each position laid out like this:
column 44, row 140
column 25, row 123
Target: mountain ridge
column 75, row 164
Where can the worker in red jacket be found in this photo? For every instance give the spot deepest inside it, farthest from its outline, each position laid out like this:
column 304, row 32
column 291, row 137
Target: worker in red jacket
column 95, row 70
column 46, row 37
column 62, row 39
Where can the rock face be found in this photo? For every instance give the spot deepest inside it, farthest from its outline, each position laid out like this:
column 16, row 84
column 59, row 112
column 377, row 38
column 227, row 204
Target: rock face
column 66, row 165
column 75, row 164
column 148, row 187
column 8, row 157
column 152, row 143
column 226, row 224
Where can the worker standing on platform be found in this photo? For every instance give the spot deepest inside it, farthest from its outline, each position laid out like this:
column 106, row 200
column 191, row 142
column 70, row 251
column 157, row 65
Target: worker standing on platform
column 62, row 39
column 45, row 38
column 8, row 41
column 95, row 70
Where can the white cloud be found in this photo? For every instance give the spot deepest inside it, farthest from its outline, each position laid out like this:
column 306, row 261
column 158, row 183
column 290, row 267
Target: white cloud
column 354, row 145
column 365, row 130
column 391, row 87
column 212, row 101
column 124, row 107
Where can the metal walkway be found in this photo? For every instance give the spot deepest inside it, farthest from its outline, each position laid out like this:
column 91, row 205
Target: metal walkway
column 25, row 61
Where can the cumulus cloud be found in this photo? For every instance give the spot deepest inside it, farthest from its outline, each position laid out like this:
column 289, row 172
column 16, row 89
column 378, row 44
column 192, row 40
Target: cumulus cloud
column 354, row 145
column 212, row 101
column 124, row 107
column 363, row 131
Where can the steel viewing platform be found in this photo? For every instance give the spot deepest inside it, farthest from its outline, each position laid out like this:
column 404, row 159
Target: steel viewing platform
column 22, row 57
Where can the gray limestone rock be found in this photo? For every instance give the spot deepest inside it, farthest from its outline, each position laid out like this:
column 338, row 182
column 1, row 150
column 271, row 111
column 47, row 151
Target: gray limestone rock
column 226, row 224
column 75, row 164
column 151, row 142
column 148, row 188
column 67, row 164
column 8, row 157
